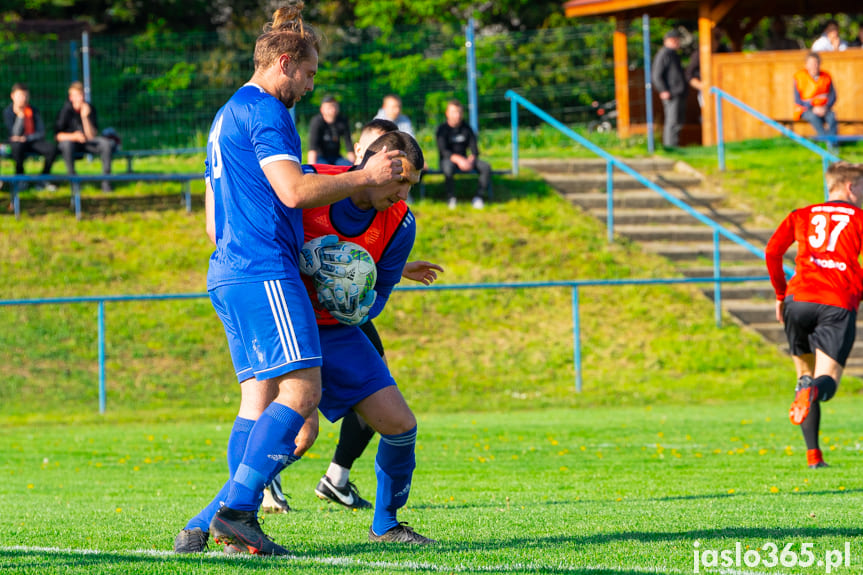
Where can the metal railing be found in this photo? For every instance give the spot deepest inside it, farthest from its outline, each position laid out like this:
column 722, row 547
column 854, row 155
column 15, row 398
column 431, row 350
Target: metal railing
column 574, row 285
column 721, row 95
column 611, row 164
column 76, row 180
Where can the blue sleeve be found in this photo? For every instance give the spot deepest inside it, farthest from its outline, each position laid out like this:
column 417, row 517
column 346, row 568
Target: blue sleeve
column 392, row 263
column 797, row 99
column 274, row 136
column 831, row 96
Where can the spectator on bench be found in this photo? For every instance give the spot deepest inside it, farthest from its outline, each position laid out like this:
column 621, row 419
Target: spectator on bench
column 27, row 133
column 830, row 41
column 814, row 96
column 78, row 132
column 458, row 149
column 392, row 110
column 326, row 132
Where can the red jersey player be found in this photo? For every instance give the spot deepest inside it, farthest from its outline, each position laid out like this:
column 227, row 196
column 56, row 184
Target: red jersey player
column 819, row 305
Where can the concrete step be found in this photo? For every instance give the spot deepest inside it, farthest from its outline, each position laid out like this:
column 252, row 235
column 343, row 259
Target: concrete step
column 751, row 312
column 641, row 199
column 744, row 291
column 595, row 165
column 683, row 233
column 670, row 215
column 583, row 183
column 729, row 271
column 728, row 252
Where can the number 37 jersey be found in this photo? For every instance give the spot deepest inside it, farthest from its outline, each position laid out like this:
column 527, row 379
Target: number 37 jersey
column 829, row 238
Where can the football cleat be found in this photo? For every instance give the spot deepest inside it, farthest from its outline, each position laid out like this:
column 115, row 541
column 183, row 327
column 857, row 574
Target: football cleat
column 806, row 393
column 401, row 533
column 274, row 498
column 349, row 495
column 815, row 459
column 241, row 529
column 191, row 541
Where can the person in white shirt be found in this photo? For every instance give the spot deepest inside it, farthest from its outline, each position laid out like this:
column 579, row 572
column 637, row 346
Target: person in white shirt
column 830, row 40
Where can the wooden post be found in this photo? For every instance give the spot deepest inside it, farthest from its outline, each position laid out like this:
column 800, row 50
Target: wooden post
column 705, row 35
column 621, row 78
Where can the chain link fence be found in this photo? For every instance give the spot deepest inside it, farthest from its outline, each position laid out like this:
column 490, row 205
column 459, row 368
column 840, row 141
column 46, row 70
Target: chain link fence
column 163, row 89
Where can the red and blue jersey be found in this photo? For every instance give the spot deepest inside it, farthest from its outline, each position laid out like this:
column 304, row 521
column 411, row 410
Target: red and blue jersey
column 388, row 236
column 258, row 238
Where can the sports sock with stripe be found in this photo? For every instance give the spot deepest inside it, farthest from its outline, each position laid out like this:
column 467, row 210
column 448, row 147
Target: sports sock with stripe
column 394, row 466
column 811, row 425
column 236, row 447
column 354, row 437
column 270, row 447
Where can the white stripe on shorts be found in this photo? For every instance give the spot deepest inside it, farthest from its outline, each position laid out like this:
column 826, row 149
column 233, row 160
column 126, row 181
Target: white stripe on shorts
column 292, row 335
column 277, row 316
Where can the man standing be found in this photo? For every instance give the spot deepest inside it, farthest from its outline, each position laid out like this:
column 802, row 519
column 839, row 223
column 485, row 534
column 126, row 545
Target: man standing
column 255, row 189
column 819, row 305
column 670, row 83
column 27, row 132
column 459, row 152
column 327, row 130
column 814, row 96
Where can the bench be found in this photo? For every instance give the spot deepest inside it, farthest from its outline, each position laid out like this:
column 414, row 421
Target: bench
column 128, row 155
column 76, row 180
column 438, row 172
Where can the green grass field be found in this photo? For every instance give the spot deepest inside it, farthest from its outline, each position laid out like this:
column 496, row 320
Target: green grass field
column 604, row 490
column 681, row 434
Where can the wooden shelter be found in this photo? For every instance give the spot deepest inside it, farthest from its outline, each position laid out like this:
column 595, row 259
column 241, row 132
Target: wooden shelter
column 762, row 79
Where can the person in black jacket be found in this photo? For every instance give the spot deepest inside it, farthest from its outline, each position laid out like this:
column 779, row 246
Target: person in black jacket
column 326, row 132
column 78, row 131
column 669, row 81
column 27, row 132
column 458, row 149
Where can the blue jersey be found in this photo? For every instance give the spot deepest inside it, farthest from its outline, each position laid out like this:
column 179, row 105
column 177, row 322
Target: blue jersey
column 258, row 238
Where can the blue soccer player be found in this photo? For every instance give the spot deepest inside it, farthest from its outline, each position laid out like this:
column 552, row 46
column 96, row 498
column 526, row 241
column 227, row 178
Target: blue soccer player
column 356, row 380
column 255, row 218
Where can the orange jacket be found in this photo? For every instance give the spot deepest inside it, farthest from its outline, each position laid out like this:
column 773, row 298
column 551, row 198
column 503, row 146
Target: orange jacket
column 811, row 91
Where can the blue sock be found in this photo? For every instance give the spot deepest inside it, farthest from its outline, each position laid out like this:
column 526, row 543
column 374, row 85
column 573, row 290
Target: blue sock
column 270, row 447
column 236, row 447
column 394, row 467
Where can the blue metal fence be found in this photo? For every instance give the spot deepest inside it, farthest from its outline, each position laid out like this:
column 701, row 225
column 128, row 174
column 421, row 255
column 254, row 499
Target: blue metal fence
column 721, row 95
column 574, row 285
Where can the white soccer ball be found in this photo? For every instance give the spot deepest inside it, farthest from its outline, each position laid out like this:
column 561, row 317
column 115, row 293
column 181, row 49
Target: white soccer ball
column 360, row 274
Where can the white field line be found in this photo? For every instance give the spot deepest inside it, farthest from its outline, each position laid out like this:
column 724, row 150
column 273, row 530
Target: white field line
column 410, row 565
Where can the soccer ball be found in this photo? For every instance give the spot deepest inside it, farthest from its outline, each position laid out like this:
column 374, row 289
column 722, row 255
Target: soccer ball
column 360, row 274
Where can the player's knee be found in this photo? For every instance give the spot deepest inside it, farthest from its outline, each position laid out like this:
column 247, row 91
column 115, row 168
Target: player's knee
column 406, row 422
column 826, row 387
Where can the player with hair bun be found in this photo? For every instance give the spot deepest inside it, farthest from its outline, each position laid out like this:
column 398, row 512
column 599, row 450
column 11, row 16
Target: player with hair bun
column 256, row 189
column 819, row 305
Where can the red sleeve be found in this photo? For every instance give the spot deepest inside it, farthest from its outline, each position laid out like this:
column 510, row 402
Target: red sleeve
column 779, row 243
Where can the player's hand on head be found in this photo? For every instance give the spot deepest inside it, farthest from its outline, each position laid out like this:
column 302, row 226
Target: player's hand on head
column 384, row 167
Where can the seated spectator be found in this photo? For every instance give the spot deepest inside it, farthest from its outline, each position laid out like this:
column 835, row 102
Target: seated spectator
column 830, row 40
column 78, row 132
column 814, row 96
column 326, row 132
column 458, row 149
column 392, row 110
column 27, row 133
column 778, row 39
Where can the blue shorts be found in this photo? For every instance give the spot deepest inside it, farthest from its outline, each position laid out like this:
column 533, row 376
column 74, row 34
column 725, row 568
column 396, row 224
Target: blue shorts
column 352, row 370
column 270, row 326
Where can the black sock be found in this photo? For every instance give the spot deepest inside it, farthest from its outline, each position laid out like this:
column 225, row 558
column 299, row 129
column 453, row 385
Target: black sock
column 811, row 425
column 354, row 436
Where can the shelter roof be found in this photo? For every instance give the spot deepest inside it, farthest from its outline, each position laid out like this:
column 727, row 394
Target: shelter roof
column 730, row 9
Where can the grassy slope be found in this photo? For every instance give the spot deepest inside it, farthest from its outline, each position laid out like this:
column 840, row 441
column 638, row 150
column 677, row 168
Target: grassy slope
column 608, row 490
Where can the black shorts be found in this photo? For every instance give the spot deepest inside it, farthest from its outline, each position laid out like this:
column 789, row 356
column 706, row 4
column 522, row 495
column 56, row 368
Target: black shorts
column 810, row 326
column 371, row 332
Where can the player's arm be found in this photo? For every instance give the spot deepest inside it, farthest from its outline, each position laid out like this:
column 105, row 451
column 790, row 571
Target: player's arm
column 779, row 243
column 210, row 211
column 421, row 271
column 296, row 189
column 391, row 265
